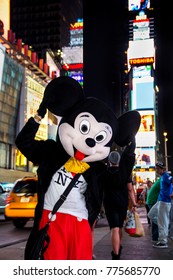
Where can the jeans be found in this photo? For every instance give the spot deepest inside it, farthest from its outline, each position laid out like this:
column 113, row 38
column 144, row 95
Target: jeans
column 163, row 220
column 154, row 227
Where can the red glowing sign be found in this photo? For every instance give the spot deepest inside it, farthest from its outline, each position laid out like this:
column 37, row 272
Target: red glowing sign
column 73, row 66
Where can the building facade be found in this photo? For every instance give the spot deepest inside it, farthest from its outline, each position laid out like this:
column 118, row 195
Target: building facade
column 27, row 64
column 141, row 67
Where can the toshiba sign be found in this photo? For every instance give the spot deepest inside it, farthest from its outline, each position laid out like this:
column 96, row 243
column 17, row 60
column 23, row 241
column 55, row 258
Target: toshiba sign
column 141, row 61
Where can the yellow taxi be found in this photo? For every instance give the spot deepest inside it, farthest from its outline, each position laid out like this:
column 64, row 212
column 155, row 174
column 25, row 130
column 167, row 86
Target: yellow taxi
column 21, row 201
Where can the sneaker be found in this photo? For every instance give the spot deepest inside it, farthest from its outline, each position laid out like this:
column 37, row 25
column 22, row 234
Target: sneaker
column 160, row 245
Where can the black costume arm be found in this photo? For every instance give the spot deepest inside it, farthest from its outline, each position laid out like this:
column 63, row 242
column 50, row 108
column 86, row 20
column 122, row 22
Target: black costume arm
column 94, row 192
column 127, row 162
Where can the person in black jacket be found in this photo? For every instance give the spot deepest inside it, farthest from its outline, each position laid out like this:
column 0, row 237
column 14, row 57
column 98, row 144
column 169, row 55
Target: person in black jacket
column 116, row 193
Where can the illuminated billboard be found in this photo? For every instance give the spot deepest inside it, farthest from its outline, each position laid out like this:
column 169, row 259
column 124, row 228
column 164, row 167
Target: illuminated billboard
column 73, row 66
column 141, row 49
column 76, row 33
column 141, row 30
column 77, row 75
column 147, row 121
column 72, row 55
column 136, row 5
column 145, row 157
column 141, row 71
column 143, row 177
column 142, row 95
column 5, row 16
column 146, row 139
column 146, row 134
column 141, row 61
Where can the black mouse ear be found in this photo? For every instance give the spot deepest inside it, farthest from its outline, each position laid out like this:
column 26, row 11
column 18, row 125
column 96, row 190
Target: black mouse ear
column 61, row 94
column 128, row 125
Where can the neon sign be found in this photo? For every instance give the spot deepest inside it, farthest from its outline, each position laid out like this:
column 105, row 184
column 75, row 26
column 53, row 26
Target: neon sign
column 76, row 25
column 143, row 60
column 73, row 66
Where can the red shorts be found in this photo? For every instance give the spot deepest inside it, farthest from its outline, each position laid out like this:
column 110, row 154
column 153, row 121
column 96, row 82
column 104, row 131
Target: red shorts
column 70, row 238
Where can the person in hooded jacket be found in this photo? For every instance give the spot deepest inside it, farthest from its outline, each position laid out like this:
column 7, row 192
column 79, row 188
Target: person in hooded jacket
column 115, row 184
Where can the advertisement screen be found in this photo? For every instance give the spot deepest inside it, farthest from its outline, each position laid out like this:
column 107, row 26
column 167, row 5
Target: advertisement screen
column 77, row 75
column 147, row 121
column 5, row 16
column 143, row 177
column 141, row 71
column 146, row 139
column 141, row 48
column 142, row 96
column 72, row 55
column 136, row 5
column 145, row 157
column 141, row 30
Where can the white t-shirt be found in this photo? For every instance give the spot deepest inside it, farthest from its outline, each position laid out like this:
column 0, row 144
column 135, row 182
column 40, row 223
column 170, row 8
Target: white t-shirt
column 75, row 202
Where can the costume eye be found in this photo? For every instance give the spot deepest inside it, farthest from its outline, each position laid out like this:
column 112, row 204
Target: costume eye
column 101, row 136
column 84, row 127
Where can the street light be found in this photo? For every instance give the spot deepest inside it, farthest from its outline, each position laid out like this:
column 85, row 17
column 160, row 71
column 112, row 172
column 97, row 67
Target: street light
column 166, row 153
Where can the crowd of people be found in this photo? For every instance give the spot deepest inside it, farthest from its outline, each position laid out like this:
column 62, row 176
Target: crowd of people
column 157, row 198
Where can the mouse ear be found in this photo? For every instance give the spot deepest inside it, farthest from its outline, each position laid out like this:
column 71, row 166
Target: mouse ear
column 61, row 94
column 128, row 125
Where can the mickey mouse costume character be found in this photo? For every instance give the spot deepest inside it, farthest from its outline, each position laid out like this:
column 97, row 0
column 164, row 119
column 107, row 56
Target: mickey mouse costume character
column 85, row 134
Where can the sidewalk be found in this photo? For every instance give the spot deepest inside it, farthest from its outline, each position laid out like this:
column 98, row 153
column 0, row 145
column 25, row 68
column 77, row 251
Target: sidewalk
column 134, row 248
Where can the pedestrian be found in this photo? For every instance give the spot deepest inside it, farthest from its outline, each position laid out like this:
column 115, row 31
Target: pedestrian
column 151, row 200
column 131, row 195
column 116, row 193
column 144, row 195
column 164, row 205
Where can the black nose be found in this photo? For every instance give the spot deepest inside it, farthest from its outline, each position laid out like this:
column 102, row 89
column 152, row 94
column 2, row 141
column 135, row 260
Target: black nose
column 90, row 142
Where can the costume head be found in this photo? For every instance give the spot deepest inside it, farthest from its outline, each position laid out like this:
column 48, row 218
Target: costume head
column 88, row 126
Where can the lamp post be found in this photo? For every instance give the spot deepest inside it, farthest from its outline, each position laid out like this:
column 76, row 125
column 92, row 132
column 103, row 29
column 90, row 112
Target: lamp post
column 166, row 153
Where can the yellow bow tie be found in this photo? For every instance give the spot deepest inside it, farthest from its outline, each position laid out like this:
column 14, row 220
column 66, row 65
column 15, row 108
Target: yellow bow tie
column 76, row 166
